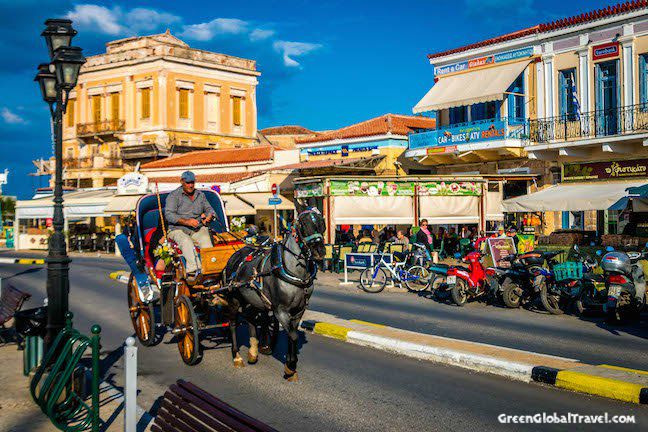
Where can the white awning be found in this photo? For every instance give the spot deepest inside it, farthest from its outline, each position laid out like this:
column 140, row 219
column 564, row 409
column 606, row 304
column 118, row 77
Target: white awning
column 122, row 204
column 440, row 210
column 571, row 197
column 378, row 210
column 79, row 204
column 260, row 201
column 494, row 208
column 482, row 85
column 234, row 206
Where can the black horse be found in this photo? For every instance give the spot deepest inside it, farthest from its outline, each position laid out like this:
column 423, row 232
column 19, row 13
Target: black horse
column 278, row 279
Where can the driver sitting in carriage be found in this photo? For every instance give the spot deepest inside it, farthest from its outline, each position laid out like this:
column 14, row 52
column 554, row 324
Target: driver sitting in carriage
column 188, row 214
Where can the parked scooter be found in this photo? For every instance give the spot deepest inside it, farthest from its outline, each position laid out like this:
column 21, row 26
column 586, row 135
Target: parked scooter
column 465, row 283
column 626, row 285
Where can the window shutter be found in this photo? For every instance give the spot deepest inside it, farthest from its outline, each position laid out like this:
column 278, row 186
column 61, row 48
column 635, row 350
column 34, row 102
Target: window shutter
column 96, row 108
column 236, row 110
column 70, row 113
column 114, row 105
column 184, row 103
column 643, row 92
column 211, row 99
column 146, row 103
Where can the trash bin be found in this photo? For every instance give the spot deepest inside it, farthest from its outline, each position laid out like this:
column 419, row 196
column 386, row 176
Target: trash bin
column 31, row 324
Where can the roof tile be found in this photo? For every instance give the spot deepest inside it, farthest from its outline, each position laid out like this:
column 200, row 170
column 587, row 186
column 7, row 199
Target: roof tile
column 215, row 157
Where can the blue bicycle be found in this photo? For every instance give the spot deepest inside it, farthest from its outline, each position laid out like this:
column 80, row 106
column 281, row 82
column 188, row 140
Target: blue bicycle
column 374, row 279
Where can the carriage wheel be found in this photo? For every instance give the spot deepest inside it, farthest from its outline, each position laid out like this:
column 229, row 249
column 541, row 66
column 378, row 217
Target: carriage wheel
column 142, row 315
column 186, row 331
column 269, row 336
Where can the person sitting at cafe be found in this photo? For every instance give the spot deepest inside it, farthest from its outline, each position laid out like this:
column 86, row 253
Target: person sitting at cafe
column 366, row 237
column 424, row 235
column 399, row 238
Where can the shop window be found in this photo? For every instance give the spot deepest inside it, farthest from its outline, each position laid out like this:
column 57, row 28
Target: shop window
column 568, row 98
column 516, row 109
column 484, row 111
column 458, row 115
column 643, row 84
column 146, row 103
column 70, row 113
column 183, row 103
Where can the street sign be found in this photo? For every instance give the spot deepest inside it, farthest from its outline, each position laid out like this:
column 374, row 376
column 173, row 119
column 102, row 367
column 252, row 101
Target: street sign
column 275, row 189
column 274, row 201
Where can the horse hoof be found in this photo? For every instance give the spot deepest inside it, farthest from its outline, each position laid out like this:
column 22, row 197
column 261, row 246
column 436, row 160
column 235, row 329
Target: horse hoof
column 238, row 363
column 252, row 359
column 290, row 375
column 265, row 350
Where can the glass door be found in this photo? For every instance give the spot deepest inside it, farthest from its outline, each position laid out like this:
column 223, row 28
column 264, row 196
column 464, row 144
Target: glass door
column 607, row 98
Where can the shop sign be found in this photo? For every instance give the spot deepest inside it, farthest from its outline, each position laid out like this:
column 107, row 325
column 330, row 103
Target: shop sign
column 611, row 170
column 449, row 188
column 484, row 61
column 132, row 184
column 604, row 51
column 441, row 150
column 478, row 132
column 307, row 190
column 343, row 150
column 371, row 188
column 364, row 260
column 501, row 247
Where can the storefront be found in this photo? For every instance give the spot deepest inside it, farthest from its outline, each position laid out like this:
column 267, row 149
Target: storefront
column 399, row 201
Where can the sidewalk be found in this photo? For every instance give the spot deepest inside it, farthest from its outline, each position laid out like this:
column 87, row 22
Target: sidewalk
column 18, row 411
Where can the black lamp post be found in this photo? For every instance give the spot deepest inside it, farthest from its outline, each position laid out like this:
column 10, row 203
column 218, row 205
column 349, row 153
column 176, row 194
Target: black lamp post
column 56, row 80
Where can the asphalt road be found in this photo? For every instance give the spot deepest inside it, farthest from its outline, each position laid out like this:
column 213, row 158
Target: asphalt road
column 342, row 387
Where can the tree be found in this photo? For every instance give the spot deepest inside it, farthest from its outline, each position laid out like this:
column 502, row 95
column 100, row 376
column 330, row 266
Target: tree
column 8, row 205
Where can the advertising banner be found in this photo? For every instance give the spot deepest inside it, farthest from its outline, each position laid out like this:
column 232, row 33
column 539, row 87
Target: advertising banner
column 372, row 188
column 612, row 170
column 501, row 247
column 449, row 188
column 484, row 61
column 307, row 190
column 470, row 133
column 526, row 243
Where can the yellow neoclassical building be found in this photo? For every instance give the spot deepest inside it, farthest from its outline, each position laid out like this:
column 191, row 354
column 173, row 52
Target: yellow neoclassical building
column 150, row 97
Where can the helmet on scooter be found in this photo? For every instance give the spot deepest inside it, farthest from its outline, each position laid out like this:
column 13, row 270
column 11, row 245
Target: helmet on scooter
column 616, row 262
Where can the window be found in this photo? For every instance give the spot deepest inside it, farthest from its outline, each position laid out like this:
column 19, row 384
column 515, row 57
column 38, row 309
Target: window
column 213, row 106
column 458, row 114
column 643, row 85
column 70, row 113
column 568, row 98
column 114, row 106
column 516, row 111
column 236, row 110
column 183, row 103
column 485, row 111
column 96, row 108
column 146, row 102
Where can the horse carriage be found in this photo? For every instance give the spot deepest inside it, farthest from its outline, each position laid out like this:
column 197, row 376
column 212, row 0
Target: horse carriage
column 268, row 284
column 184, row 306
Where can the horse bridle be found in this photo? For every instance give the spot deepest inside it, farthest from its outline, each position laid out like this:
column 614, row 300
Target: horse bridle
column 306, row 240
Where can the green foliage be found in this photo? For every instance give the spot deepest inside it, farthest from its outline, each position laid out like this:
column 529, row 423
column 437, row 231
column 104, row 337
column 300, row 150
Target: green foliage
column 8, row 207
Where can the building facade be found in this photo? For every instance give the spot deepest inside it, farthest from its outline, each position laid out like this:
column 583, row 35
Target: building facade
column 150, row 97
column 565, row 100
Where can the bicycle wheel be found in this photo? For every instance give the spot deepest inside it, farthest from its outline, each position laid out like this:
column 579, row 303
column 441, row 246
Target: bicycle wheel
column 417, row 278
column 373, row 280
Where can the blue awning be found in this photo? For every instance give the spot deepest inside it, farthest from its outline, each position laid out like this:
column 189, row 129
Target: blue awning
column 622, row 204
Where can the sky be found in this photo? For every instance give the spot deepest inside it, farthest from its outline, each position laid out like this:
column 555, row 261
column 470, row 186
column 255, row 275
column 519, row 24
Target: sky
column 324, row 64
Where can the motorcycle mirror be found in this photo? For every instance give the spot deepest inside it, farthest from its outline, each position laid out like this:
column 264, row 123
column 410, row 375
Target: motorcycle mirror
column 609, row 249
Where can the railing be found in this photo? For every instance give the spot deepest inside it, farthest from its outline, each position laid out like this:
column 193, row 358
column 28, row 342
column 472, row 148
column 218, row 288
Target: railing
column 93, row 162
column 591, row 124
column 100, row 128
column 52, row 387
column 471, row 132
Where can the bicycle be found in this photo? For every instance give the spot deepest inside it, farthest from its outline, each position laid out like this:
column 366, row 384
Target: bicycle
column 374, row 279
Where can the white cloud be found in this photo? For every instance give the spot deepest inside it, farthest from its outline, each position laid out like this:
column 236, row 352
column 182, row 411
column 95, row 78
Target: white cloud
column 219, row 26
column 149, row 19
column 289, row 50
column 261, row 34
column 10, row 117
column 96, row 17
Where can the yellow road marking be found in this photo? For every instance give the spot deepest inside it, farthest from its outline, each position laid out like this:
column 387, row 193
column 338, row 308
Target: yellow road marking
column 332, row 330
column 637, row 371
column 31, row 261
column 367, row 323
column 600, row 386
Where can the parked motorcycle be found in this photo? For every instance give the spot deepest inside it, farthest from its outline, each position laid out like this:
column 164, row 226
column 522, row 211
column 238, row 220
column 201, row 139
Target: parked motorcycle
column 625, row 283
column 465, row 283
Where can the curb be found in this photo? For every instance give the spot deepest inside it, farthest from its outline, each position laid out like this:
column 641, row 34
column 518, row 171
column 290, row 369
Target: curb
column 574, row 378
column 119, row 276
column 26, row 261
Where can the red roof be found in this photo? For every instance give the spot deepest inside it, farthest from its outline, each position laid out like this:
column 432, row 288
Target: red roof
column 209, row 178
column 389, row 123
column 215, row 157
column 586, row 17
column 286, row 130
column 317, row 164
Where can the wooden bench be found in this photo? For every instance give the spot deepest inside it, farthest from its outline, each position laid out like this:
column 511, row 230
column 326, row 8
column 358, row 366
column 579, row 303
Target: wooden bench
column 11, row 300
column 188, row 408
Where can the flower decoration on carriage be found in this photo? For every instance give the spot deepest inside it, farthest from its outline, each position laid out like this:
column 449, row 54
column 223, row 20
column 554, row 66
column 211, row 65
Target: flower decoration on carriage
column 164, row 252
column 237, row 223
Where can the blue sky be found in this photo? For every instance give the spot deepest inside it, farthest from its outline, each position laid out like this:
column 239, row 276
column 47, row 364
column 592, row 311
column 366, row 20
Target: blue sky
column 324, row 64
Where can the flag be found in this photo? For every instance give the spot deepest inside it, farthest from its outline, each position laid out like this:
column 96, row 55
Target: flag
column 574, row 95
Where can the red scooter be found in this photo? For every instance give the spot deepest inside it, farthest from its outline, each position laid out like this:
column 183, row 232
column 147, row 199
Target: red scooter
column 465, row 283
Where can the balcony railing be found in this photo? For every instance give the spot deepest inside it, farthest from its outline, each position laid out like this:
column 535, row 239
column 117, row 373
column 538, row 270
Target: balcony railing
column 93, row 162
column 591, row 124
column 100, row 128
column 471, row 132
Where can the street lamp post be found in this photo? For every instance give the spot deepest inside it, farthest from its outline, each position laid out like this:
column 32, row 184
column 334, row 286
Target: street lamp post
column 56, row 80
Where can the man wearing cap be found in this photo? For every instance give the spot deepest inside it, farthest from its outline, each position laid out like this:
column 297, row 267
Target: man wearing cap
column 188, row 213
